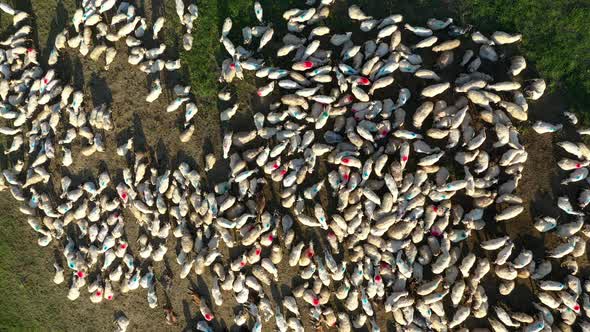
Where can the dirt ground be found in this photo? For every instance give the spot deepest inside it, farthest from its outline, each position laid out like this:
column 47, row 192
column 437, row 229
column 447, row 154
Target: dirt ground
column 30, row 300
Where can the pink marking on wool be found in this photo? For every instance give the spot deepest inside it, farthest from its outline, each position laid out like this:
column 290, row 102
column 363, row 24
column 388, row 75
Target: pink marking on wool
column 110, row 297
column 308, row 64
column 123, row 246
column 98, row 293
column 258, row 252
column 316, row 302
column 577, row 307
column 435, row 208
column 378, row 278
column 232, row 66
column 275, row 166
column 345, row 160
column 346, row 177
column 80, row 274
column 208, row 317
column 270, row 237
column 283, row 172
column 405, row 158
column 242, row 263
column 310, row 253
column 578, row 165
column 435, row 232
column 364, row 81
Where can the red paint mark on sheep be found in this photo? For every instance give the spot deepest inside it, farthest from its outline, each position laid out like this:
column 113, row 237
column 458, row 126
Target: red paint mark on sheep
column 436, row 232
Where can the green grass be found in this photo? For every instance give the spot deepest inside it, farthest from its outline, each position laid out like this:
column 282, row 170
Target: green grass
column 29, row 301
column 25, row 278
column 201, row 63
column 556, row 40
column 204, row 61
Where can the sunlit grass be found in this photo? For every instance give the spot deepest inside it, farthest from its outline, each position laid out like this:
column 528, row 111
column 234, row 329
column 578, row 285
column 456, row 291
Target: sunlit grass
column 556, row 39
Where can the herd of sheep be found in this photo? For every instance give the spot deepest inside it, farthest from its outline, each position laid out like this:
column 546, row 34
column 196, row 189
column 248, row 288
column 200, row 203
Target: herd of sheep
column 386, row 148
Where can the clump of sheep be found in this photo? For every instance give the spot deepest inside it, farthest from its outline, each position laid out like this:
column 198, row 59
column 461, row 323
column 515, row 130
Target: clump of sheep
column 393, row 144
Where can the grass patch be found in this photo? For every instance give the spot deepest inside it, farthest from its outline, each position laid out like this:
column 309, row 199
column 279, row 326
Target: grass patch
column 556, row 40
column 201, row 63
column 29, row 301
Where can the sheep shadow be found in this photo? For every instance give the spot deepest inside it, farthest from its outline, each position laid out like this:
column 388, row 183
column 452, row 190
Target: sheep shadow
column 191, row 322
column 100, row 91
column 60, row 19
column 139, row 140
column 162, row 157
column 77, row 75
column 27, row 6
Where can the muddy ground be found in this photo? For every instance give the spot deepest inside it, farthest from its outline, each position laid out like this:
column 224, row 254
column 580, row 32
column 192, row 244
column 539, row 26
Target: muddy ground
column 30, row 300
